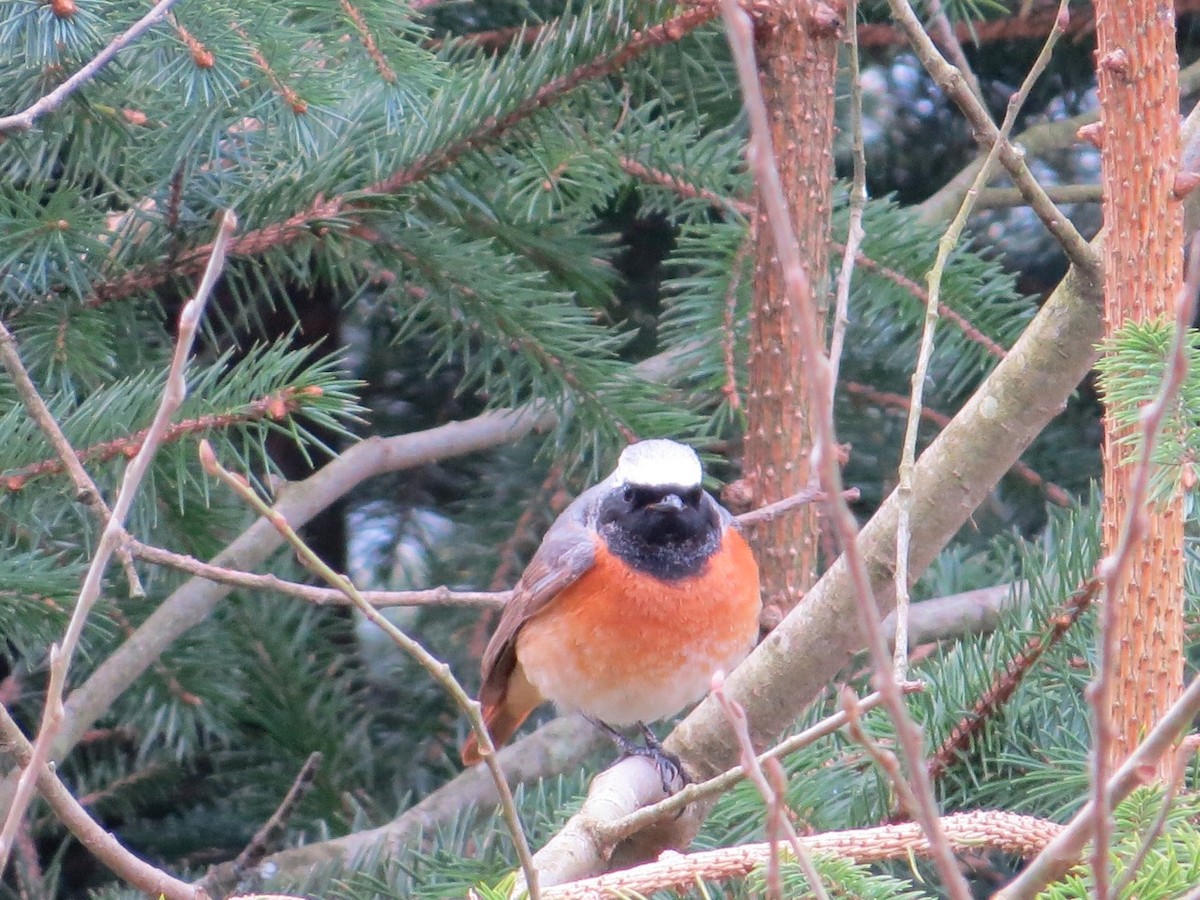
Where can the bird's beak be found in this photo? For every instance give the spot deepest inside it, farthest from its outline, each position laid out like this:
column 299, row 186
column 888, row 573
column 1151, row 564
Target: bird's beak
column 669, row 503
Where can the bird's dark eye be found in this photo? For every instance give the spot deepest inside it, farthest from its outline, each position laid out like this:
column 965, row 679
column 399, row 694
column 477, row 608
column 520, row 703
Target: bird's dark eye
column 627, row 494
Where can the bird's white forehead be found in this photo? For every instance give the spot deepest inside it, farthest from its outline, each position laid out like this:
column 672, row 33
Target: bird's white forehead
column 659, row 462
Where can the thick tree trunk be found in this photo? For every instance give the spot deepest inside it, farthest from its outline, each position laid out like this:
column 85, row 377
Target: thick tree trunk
column 797, row 45
column 1137, row 74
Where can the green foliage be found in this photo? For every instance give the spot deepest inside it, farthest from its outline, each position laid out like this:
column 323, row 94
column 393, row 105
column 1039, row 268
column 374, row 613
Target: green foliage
column 1172, row 861
column 1132, row 367
column 463, row 214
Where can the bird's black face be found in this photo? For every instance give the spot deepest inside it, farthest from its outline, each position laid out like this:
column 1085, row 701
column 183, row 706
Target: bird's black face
column 666, row 530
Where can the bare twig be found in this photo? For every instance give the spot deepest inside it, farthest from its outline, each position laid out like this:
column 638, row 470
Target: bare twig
column 950, row 80
column 23, row 121
column 437, row 669
column 824, row 457
column 858, row 202
column 438, row 596
column 1113, row 570
column 777, row 819
column 949, row 240
column 256, row 850
column 1063, row 852
column 90, row 833
column 780, row 507
column 174, row 392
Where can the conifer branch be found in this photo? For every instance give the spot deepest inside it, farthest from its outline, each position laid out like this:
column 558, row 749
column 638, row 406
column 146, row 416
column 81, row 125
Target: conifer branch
column 174, row 391
column 950, row 80
column 254, row 852
column 23, row 121
column 304, row 223
column 276, row 407
column 690, row 191
column 1063, row 853
column 824, row 456
column 949, row 240
column 90, row 833
column 386, row 72
column 438, row 670
column 1001, row 690
column 966, row 832
column 295, row 102
column 85, row 488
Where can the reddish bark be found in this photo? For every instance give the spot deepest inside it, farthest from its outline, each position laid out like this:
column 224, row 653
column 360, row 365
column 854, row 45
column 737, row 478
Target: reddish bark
column 797, row 47
column 1137, row 73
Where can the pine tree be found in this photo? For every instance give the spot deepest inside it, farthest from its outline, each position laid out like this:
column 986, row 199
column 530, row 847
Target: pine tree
column 508, row 238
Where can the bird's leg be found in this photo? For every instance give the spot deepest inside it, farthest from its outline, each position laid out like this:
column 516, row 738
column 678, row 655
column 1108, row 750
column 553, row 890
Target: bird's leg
column 669, row 766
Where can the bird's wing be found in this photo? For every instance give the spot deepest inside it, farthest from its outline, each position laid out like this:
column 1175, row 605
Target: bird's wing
column 566, row 552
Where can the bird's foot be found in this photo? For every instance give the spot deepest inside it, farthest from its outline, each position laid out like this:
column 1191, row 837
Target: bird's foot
column 669, row 766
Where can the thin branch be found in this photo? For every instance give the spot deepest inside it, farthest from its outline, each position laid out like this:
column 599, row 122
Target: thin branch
column 438, row 670
column 98, row 841
column 1113, row 570
column 969, row 832
column 858, row 202
column 256, row 850
column 824, row 456
column 949, row 240
column 438, row 596
column 777, row 820
column 23, row 121
column 943, row 31
column 950, row 80
column 780, row 507
column 1063, row 852
column 174, row 392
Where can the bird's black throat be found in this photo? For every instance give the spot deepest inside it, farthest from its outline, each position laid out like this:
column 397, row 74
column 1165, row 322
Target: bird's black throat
column 666, row 531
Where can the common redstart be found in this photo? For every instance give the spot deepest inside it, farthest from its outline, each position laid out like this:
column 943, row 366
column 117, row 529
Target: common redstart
column 639, row 592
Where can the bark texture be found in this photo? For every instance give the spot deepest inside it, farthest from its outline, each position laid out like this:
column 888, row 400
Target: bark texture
column 797, row 45
column 1138, row 79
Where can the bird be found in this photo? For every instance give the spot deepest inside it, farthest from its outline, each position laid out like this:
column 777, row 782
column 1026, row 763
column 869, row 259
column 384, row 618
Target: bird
column 640, row 591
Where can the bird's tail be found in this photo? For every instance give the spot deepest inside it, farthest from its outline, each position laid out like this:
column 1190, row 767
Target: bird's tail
column 502, row 723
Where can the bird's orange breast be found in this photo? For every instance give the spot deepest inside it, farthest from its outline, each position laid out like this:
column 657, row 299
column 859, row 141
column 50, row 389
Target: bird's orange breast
column 624, row 646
